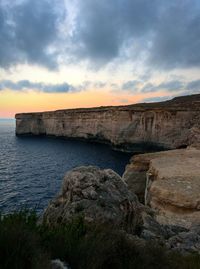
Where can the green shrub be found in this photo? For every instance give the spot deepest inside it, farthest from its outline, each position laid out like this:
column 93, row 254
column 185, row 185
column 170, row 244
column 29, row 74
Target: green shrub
column 19, row 242
column 104, row 248
column 62, row 241
column 25, row 245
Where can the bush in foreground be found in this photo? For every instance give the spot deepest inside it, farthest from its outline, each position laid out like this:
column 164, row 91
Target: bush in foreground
column 20, row 242
column 24, row 245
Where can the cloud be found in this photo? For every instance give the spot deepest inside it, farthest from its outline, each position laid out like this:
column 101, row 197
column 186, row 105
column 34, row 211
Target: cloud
column 170, row 86
column 85, row 85
column 39, row 86
column 103, row 27
column 177, row 36
column 166, row 32
column 194, row 85
column 24, row 85
column 149, row 87
column 174, row 85
column 29, row 31
column 130, row 85
column 163, row 34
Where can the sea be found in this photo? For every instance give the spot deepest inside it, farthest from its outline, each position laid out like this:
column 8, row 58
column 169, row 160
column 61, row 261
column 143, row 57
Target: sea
column 32, row 168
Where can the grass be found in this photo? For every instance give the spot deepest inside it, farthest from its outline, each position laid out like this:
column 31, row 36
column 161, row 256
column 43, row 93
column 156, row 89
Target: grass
column 25, row 245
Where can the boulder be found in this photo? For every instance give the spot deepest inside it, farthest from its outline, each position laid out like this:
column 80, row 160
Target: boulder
column 100, row 196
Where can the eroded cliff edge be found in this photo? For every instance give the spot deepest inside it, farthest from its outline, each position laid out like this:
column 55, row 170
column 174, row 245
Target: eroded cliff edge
column 169, row 183
column 170, row 124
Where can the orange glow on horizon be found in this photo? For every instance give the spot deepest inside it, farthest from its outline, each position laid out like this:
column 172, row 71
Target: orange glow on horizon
column 17, row 102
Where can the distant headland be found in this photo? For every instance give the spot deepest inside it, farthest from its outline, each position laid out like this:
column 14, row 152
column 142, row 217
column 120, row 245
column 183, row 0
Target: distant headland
column 170, row 124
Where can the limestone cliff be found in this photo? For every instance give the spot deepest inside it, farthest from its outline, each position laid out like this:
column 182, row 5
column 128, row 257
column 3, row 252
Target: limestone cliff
column 169, row 181
column 170, row 124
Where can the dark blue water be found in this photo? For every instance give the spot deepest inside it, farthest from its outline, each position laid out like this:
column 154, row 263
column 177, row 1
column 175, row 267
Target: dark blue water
column 32, row 168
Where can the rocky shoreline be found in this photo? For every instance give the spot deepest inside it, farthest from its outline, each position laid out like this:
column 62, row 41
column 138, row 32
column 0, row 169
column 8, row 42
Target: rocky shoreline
column 157, row 197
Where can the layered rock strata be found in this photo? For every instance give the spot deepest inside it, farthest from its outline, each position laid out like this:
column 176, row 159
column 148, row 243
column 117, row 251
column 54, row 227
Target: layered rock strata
column 170, row 124
column 170, row 184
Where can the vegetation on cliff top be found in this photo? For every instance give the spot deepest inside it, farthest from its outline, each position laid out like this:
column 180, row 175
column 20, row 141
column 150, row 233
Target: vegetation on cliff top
column 24, row 244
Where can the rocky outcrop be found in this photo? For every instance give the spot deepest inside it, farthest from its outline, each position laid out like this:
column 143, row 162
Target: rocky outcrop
column 170, row 124
column 170, row 184
column 100, row 196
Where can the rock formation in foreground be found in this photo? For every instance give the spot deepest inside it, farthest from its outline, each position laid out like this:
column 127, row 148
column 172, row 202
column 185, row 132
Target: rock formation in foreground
column 102, row 197
column 170, row 124
column 168, row 182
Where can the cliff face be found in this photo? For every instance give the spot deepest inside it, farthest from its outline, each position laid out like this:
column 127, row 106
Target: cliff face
column 171, row 124
column 169, row 182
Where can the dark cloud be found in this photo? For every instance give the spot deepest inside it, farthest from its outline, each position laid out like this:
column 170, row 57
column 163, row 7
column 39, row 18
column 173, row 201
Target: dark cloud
column 164, row 34
column 29, row 31
column 170, row 86
column 194, row 85
column 149, row 87
column 145, row 77
column 174, row 85
column 96, row 36
column 177, row 86
column 177, row 37
column 167, row 31
column 130, row 85
column 103, row 27
column 39, row 86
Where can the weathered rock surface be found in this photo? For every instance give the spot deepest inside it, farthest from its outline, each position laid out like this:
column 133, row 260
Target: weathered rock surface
column 170, row 124
column 186, row 241
column 135, row 174
column 101, row 196
column 171, row 180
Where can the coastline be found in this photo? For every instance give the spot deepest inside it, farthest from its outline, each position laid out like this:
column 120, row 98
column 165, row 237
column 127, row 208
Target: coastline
column 153, row 177
column 170, row 124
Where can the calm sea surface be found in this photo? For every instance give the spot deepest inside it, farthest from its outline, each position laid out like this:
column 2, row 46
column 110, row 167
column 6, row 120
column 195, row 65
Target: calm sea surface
column 32, row 168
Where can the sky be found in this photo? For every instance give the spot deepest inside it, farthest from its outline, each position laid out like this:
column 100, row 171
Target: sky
column 74, row 53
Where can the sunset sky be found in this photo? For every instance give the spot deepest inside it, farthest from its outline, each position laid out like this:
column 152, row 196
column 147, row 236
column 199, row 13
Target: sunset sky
column 85, row 53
